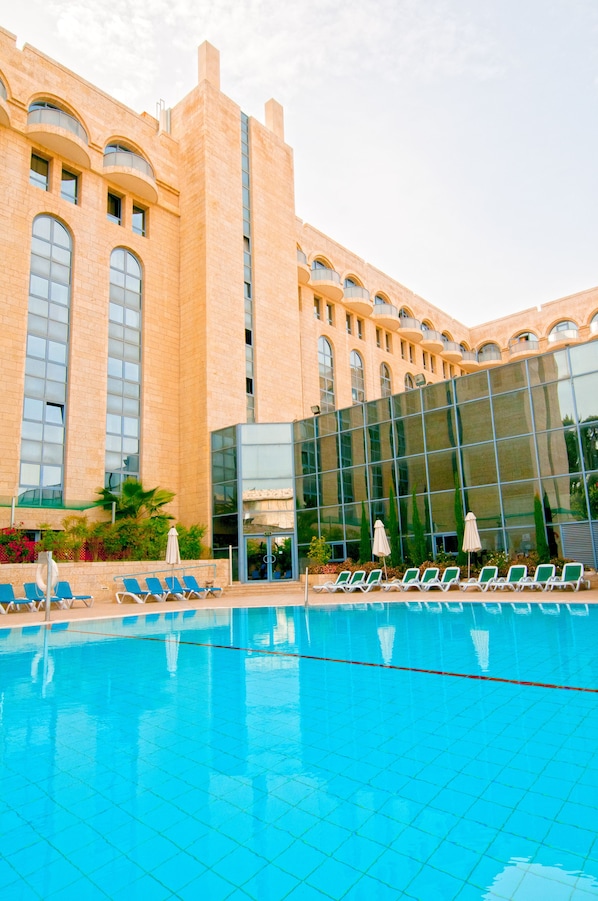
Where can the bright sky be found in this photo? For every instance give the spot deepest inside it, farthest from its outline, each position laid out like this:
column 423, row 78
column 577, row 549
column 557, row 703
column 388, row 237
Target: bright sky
column 451, row 143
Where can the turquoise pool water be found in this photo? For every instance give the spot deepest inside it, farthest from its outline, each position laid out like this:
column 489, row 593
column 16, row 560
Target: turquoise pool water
column 292, row 753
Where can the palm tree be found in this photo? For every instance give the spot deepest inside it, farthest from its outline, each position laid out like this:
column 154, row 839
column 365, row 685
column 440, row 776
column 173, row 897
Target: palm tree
column 134, row 502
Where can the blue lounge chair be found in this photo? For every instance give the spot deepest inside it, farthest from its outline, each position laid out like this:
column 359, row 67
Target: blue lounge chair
column 156, row 589
column 134, row 591
column 35, row 594
column 9, row 601
column 342, row 578
column 192, row 587
column 64, row 592
column 175, row 588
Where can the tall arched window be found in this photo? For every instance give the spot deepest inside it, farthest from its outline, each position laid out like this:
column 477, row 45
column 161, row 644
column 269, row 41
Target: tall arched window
column 385, row 381
column 409, row 383
column 326, row 372
column 41, row 479
column 357, row 379
column 124, row 369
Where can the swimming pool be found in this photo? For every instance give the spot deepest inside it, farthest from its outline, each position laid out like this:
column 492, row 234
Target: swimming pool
column 380, row 752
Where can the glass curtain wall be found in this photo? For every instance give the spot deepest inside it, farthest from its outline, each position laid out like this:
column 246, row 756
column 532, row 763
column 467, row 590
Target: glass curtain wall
column 494, row 441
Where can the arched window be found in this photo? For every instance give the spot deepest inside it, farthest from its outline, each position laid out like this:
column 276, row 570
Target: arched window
column 124, row 369
column 41, row 479
column 594, row 324
column 409, row 383
column 385, row 381
column 326, row 373
column 357, row 379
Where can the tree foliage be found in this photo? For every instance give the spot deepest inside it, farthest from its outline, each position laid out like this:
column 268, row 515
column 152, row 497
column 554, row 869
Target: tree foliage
column 418, row 544
column 542, row 549
column 393, row 528
column 365, row 544
column 133, row 501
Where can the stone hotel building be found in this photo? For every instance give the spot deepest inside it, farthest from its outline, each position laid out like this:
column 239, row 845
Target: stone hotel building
column 166, row 316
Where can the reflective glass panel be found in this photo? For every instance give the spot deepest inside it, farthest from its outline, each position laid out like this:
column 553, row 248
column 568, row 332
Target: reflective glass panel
column 548, row 367
column 479, row 464
column 516, row 459
column 512, row 415
column 475, row 422
column 442, row 468
column 440, row 429
column 409, row 436
column 508, row 377
column 553, row 404
column 518, row 502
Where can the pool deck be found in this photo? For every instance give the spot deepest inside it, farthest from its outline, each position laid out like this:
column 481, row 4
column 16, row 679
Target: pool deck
column 293, row 594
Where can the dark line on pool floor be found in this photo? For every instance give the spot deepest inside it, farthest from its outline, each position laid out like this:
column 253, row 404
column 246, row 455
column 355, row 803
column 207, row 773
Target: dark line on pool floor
column 389, row 666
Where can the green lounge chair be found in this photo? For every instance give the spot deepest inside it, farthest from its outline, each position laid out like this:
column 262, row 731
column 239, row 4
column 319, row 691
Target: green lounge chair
column 541, row 578
column 357, row 577
column 427, row 578
column 516, row 573
column 373, row 581
column 450, row 576
column 408, row 576
column 571, row 577
column 342, row 578
column 484, row 581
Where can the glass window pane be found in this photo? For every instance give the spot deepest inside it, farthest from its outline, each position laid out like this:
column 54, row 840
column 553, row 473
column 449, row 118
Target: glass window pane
column 475, row 422
column 411, row 472
column 516, row 459
column 442, row 469
column 518, row 503
column 440, row 429
column 470, row 387
column 553, row 405
column 508, row 377
column 512, row 415
column 548, row 367
column 409, row 434
column 479, row 464
column 586, row 395
column 558, row 452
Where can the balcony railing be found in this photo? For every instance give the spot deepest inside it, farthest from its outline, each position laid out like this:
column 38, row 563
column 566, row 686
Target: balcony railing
column 489, row 355
column 469, row 357
column 59, row 119
column 408, row 322
column 129, row 160
column 528, row 345
column 356, row 292
column 325, row 275
column 452, row 348
column 3, row 93
column 301, row 257
column 565, row 334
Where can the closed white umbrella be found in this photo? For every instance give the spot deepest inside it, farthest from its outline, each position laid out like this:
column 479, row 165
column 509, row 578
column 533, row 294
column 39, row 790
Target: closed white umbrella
column 173, row 556
column 471, row 539
column 381, row 547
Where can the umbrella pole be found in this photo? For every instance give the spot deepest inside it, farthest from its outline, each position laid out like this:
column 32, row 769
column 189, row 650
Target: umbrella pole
column 468, row 564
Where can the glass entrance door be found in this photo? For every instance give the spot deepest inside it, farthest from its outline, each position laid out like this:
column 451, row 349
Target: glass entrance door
column 269, row 558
